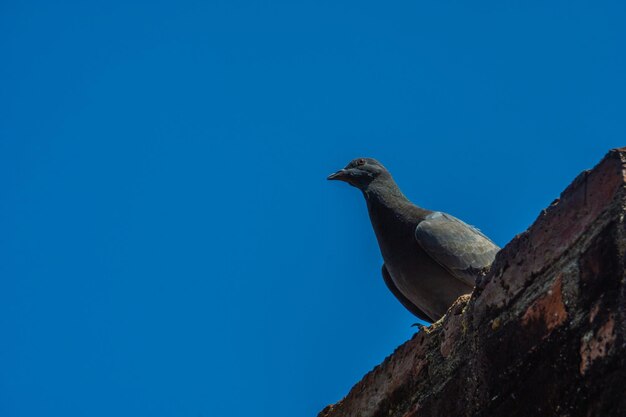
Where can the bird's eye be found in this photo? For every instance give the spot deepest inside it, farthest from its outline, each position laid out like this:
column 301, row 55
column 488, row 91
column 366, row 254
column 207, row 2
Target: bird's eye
column 360, row 162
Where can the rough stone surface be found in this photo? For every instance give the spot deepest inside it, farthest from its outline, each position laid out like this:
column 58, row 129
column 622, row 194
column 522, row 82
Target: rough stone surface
column 543, row 334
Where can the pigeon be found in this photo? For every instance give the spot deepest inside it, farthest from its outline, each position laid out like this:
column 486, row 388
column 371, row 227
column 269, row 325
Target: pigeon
column 430, row 257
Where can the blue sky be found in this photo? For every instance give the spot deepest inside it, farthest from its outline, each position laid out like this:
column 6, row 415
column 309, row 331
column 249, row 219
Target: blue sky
column 170, row 244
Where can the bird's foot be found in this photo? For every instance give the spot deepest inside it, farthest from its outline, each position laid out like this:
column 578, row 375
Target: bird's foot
column 420, row 327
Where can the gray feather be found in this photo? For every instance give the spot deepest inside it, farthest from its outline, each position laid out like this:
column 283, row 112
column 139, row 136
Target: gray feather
column 408, row 304
column 460, row 248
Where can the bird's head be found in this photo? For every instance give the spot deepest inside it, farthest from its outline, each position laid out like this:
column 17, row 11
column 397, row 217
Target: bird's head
column 361, row 172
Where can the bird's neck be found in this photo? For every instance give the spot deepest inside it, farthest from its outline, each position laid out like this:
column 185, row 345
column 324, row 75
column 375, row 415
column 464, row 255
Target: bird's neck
column 389, row 209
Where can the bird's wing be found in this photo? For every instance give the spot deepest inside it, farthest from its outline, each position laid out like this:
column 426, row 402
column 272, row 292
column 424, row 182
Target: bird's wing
column 460, row 248
column 405, row 301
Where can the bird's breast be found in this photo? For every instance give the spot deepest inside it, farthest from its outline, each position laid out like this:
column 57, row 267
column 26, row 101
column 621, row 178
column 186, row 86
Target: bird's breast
column 415, row 274
column 423, row 281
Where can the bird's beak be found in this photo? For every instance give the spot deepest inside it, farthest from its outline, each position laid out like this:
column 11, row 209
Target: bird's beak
column 341, row 175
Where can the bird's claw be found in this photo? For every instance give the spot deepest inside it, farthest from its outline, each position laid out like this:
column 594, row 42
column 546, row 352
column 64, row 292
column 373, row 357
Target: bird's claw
column 420, row 327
